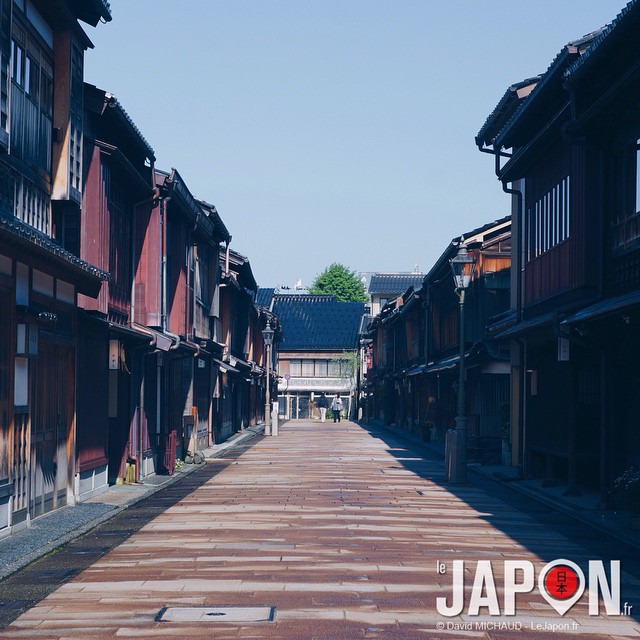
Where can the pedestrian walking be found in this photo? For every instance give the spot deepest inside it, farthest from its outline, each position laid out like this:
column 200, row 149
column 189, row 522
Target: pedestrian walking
column 323, row 405
column 336, row 407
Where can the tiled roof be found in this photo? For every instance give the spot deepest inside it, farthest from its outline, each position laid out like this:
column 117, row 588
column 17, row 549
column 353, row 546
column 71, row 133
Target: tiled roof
column 317, row 323
column 92, row 11
column 87, row 277
column 607, row 34
column 549, row 82
column 114, row 103
column 394, row 283
column 264, row 297
column 507, row 106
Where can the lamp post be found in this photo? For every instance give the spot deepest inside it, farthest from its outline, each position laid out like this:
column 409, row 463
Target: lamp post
column 267, row 335
column 462, row 267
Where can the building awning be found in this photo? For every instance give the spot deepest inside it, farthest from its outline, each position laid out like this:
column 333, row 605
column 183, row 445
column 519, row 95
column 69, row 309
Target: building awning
column 257, row 370
column 44, row 253
column 439, row 365
column 537, row 322
column 225, row 367
column 603, row 308
column 416, row 370
column 443, row 365
column 241, row 364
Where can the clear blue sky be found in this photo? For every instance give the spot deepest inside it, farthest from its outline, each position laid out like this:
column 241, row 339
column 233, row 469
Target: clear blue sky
column 331, row 130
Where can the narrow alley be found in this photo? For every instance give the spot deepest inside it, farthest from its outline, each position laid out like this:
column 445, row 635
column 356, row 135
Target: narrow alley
column 328, row 531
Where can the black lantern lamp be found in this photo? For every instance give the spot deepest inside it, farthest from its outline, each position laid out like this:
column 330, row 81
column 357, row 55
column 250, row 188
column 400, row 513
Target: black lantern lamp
column 267, row 336
column 462, row 267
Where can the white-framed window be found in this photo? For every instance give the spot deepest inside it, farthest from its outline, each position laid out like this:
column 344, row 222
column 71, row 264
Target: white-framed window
column 311, row 368
column 333, row 369
column 295, row 368
column 549, row 219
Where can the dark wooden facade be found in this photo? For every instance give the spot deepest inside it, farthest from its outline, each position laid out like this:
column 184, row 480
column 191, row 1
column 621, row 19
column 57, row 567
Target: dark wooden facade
column 415, row 343
column 109, row 282
column 40, row 275
column 572, row 167
column 112, row 433
column 240, row 372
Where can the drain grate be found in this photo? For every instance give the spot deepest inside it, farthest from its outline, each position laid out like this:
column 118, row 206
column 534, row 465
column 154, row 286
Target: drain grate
column 216, row 614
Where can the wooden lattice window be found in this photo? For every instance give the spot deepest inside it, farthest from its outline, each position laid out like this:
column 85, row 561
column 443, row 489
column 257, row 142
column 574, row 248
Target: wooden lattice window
column 32, row 205
column 5, row 55
column 549, row 220
column 31, row 104
column 75, row 125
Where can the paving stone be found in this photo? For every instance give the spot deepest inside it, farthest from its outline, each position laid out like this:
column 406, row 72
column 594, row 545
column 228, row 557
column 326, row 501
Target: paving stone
column 340, row 530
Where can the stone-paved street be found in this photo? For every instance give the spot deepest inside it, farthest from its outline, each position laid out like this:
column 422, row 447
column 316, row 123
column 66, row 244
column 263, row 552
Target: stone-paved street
column 327, row 531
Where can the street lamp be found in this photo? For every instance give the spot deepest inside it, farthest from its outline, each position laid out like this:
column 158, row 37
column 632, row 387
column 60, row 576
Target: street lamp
column 462, row 267
column 267, row 335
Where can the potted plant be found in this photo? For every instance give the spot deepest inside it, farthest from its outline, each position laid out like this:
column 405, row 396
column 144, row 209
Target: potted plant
column 626, row 489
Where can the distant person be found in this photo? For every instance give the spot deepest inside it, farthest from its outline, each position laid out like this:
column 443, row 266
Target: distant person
column 336, row 407
column 323, row 405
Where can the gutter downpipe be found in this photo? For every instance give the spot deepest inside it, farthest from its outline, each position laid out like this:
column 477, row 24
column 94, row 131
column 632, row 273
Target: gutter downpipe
column 163, row 272
column 522, row 345
column 165, row 320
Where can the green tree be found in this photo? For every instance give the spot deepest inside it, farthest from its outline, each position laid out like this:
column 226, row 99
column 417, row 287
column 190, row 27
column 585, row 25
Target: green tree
column 339, row 281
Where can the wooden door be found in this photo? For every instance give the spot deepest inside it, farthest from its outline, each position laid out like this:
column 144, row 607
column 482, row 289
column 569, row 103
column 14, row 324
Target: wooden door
column 51, row 426
column 5, row 386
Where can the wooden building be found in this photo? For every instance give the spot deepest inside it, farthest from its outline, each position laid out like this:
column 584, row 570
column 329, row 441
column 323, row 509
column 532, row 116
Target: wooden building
column 180, row 242
column 415, row 341
column 568, row 152
column 241, row 368
column 318, row 352
column 384, row 287
column 42, row 49
column 118, row 191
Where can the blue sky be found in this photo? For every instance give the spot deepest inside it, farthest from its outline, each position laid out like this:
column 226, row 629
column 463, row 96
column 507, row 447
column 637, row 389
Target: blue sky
column 331, row 130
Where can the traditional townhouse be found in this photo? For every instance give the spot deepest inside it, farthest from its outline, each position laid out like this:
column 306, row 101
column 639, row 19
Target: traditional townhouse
column 113, row 441
column 240, row 385
column 394, row 341
column 42, row 49
column 413, row 382
column 207, row 282
column 486, row 364
column 318, row 353
column 569, row 154
column 176, row 289
column 386, row 287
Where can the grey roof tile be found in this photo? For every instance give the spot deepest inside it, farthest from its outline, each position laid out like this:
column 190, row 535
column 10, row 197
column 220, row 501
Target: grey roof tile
column 394, row 283
column 317, row 323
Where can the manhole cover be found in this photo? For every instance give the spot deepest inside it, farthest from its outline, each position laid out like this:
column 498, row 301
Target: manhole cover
column 216, row 614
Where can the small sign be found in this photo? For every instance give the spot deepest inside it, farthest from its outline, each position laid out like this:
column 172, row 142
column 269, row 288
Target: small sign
column 563, row 350
column 287, row 376
column 114, row 355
